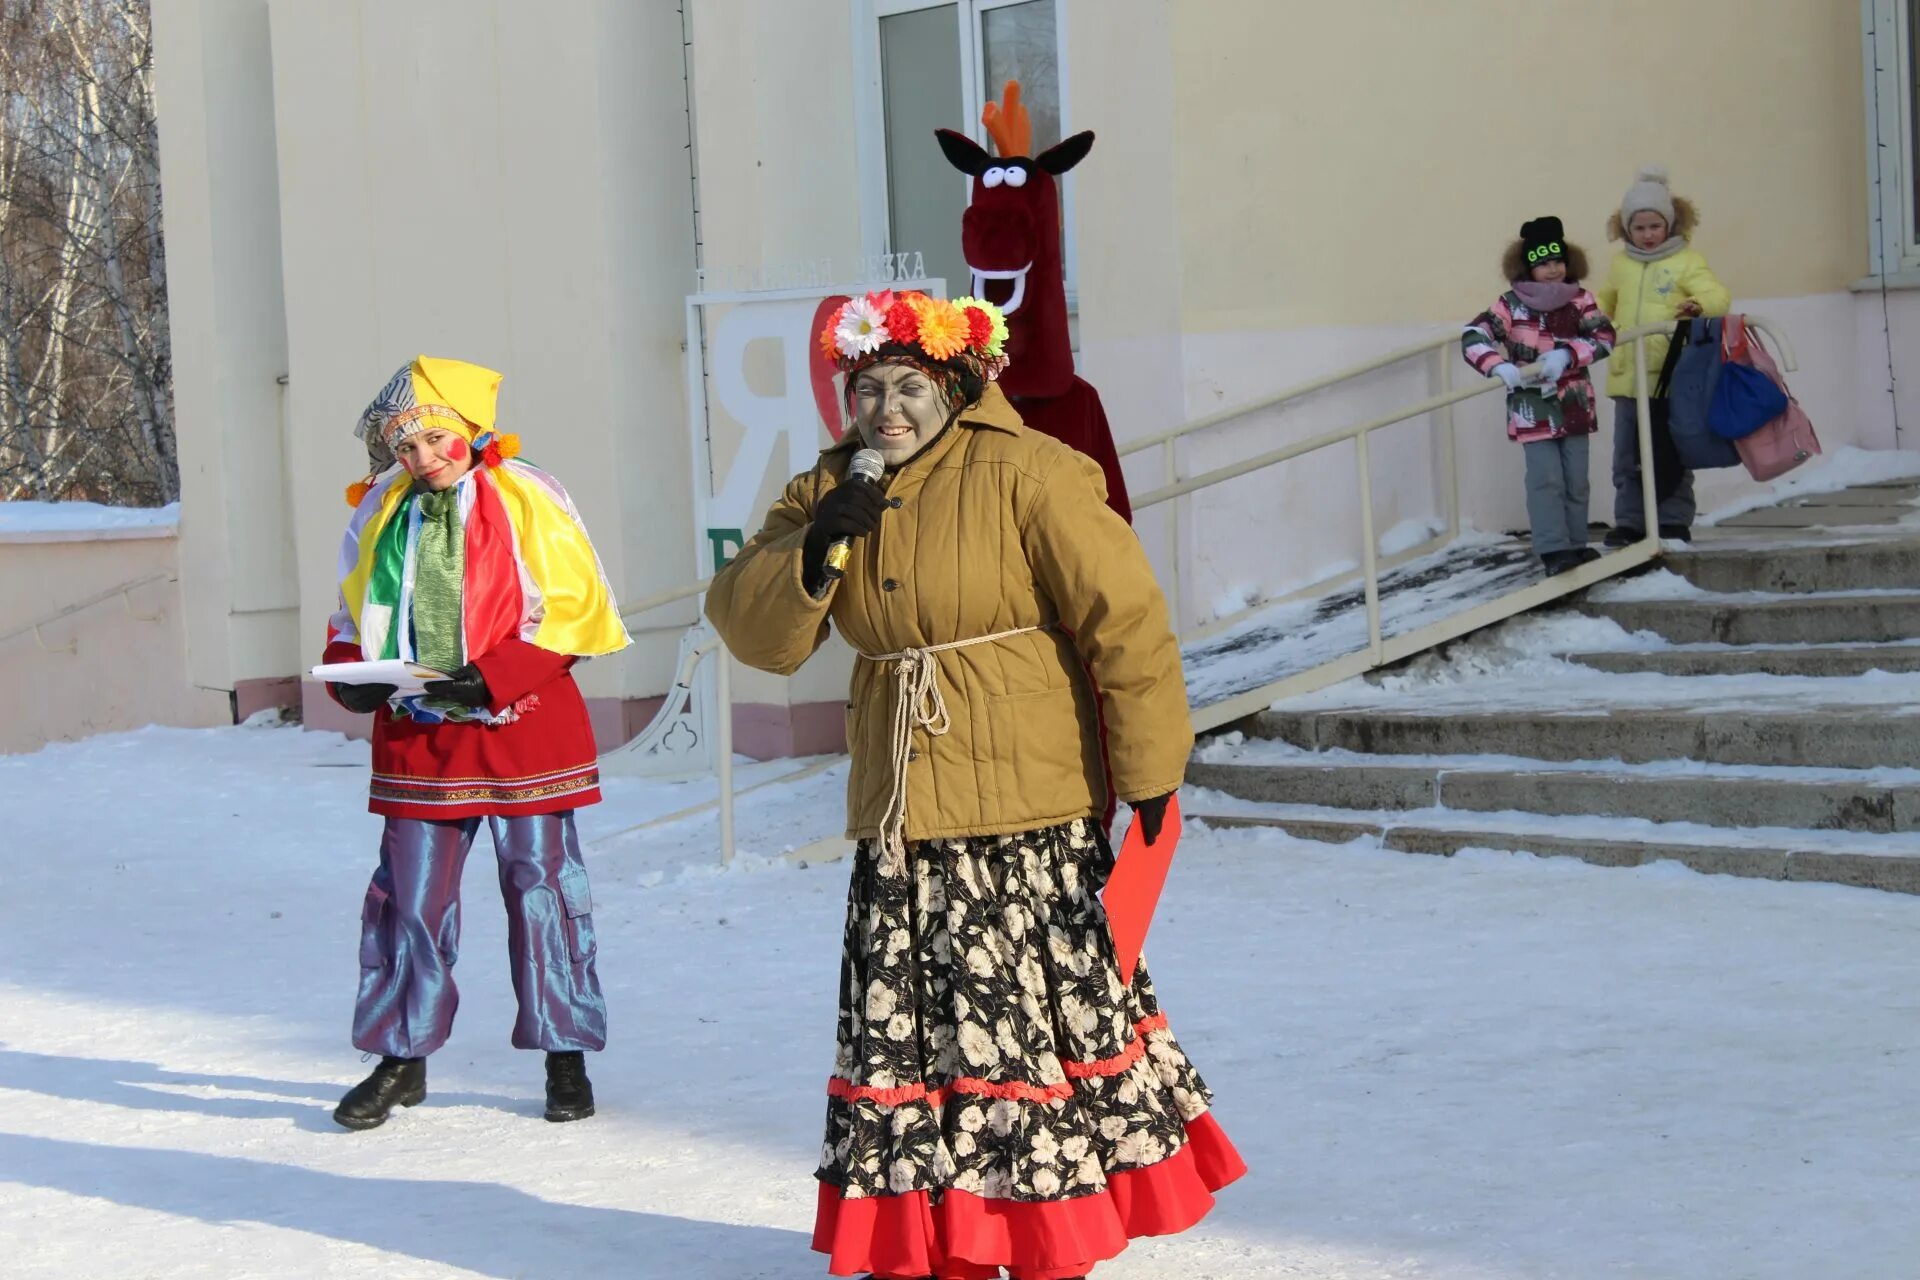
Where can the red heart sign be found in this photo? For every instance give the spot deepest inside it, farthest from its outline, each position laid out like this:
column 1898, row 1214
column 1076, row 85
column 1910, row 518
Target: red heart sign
column 826, row 393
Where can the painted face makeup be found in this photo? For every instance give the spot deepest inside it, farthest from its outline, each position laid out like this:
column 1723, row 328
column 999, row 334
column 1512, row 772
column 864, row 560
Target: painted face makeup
column 435, row 459
column 898, row 410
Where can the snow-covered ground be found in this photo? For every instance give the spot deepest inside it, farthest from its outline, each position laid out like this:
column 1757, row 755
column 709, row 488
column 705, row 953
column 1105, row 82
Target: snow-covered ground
column 1477, row 1068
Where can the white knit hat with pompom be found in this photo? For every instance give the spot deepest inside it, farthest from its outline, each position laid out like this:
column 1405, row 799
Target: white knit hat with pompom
column 1649, row 192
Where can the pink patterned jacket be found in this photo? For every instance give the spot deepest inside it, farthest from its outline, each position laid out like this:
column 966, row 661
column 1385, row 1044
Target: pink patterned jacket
column 1510, row 330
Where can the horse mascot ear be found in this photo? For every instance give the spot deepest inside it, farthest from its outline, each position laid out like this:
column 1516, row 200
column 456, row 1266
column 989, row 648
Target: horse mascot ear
column 963, row 153
column 1066, row 153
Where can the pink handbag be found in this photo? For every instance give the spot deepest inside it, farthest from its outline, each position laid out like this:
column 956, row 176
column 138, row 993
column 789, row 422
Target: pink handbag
column 1788, row 440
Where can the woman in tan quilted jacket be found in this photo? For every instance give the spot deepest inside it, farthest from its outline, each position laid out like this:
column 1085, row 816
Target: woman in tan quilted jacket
column 1000, row 1098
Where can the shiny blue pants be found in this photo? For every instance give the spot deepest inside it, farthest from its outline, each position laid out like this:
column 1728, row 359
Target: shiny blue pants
column 410, row 935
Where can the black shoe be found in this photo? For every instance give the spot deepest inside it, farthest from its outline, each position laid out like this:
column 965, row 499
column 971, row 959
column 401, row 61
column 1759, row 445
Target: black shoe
column 1586, row 555
column 1622, row 536
column 396, row 1082
column 1558, row 562
column 569, row 1092
column 1677, row 532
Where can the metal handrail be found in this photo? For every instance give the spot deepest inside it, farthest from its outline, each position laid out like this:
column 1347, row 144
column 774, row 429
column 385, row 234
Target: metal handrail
column 1207, row 479
column 685, row 591
column 1224, row 416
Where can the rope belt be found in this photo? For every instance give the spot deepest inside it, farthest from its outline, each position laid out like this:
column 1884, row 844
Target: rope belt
column 918, row 704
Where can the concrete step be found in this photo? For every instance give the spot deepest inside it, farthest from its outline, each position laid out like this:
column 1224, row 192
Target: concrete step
column 1824, row 619
column 1831, row 660
column 1863, row 505
column 1718, row 800
column 1784, row 861
column 1844, row 567
column 1849, row 737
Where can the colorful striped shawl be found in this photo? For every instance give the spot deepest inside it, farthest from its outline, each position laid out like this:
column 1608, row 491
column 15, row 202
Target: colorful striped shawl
column 531, row 572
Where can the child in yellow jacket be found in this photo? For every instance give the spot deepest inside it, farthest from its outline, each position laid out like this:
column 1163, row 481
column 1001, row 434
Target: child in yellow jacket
column 1656, row 276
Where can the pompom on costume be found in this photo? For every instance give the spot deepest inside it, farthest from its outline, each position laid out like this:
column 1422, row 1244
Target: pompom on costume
column 1010, row 235
column 1002, row 1096
column 496, row 572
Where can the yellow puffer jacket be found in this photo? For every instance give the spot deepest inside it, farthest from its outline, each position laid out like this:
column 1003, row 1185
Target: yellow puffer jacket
column 1638, row 293
column 993, row 528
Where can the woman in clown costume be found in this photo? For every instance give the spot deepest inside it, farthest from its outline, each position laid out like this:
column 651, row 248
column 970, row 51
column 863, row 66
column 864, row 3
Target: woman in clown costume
column 466, row 560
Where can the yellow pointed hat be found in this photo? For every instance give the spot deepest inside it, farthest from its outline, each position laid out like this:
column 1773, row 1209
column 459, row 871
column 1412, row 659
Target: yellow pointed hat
column 429, row 393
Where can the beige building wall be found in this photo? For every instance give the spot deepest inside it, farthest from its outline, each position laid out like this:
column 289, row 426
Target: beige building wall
column 214, row 87
column 1365, row 163
column 1279, row 189
column 504, row 183
column 778, row 171
column 92, row 637
column 1284, row 188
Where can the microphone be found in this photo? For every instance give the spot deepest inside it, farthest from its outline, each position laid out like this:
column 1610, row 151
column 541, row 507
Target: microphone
column 868, row 466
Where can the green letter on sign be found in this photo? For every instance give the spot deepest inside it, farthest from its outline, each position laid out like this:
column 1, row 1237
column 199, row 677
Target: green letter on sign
column 725, row 543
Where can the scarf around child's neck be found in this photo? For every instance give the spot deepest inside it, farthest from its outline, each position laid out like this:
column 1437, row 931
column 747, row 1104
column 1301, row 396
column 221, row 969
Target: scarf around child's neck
column 1672, row 245
column 1546, row 295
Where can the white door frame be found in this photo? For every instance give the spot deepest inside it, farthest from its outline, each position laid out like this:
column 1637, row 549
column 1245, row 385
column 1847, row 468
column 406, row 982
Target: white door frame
column 870, row 112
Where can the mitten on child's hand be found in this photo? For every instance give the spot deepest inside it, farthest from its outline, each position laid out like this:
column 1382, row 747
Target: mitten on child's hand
column 1507, row 373
column 1553, row 366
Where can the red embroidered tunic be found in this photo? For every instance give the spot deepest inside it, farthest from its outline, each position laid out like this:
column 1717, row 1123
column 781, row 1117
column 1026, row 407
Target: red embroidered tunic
column 542, row 762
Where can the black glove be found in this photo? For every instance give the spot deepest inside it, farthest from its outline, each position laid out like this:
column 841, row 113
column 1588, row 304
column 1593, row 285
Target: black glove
column 1150, row 814
column 467, row 687
column 851, row 510
column 362, row 698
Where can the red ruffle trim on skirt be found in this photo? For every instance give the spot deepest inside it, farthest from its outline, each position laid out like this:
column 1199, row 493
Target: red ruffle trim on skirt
column 965, row 1237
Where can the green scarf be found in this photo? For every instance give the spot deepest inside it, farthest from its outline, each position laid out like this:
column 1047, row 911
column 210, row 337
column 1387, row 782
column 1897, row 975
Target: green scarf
column 439, row 568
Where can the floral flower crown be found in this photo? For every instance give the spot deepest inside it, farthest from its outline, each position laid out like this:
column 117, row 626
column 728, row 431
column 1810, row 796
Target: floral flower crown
column 972, row 330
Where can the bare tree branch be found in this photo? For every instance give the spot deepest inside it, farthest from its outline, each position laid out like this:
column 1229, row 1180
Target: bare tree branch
column 86, row 404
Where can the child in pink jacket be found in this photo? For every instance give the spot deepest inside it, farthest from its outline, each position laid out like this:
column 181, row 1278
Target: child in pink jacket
column 1545, row 316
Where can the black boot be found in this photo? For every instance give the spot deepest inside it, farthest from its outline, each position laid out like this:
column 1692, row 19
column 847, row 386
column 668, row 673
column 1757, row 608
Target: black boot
column 1557, row 562
column 1622, row 535
column 1677, row 532
column 396, row 1082
column 1586, row 555
column 569, row 1092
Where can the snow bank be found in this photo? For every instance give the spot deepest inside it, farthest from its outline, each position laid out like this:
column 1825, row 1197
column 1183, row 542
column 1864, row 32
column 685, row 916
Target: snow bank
column 1844, row 468
column 82, row 517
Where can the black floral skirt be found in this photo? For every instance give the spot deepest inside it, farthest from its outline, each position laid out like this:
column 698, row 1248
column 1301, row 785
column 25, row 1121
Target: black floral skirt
column 1000, row 1097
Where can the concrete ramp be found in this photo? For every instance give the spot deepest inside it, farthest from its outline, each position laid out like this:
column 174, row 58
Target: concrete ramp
column 1301, row 645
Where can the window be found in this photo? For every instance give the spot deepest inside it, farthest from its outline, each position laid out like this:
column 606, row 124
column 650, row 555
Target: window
column 928, row 65
column 1891, row 42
